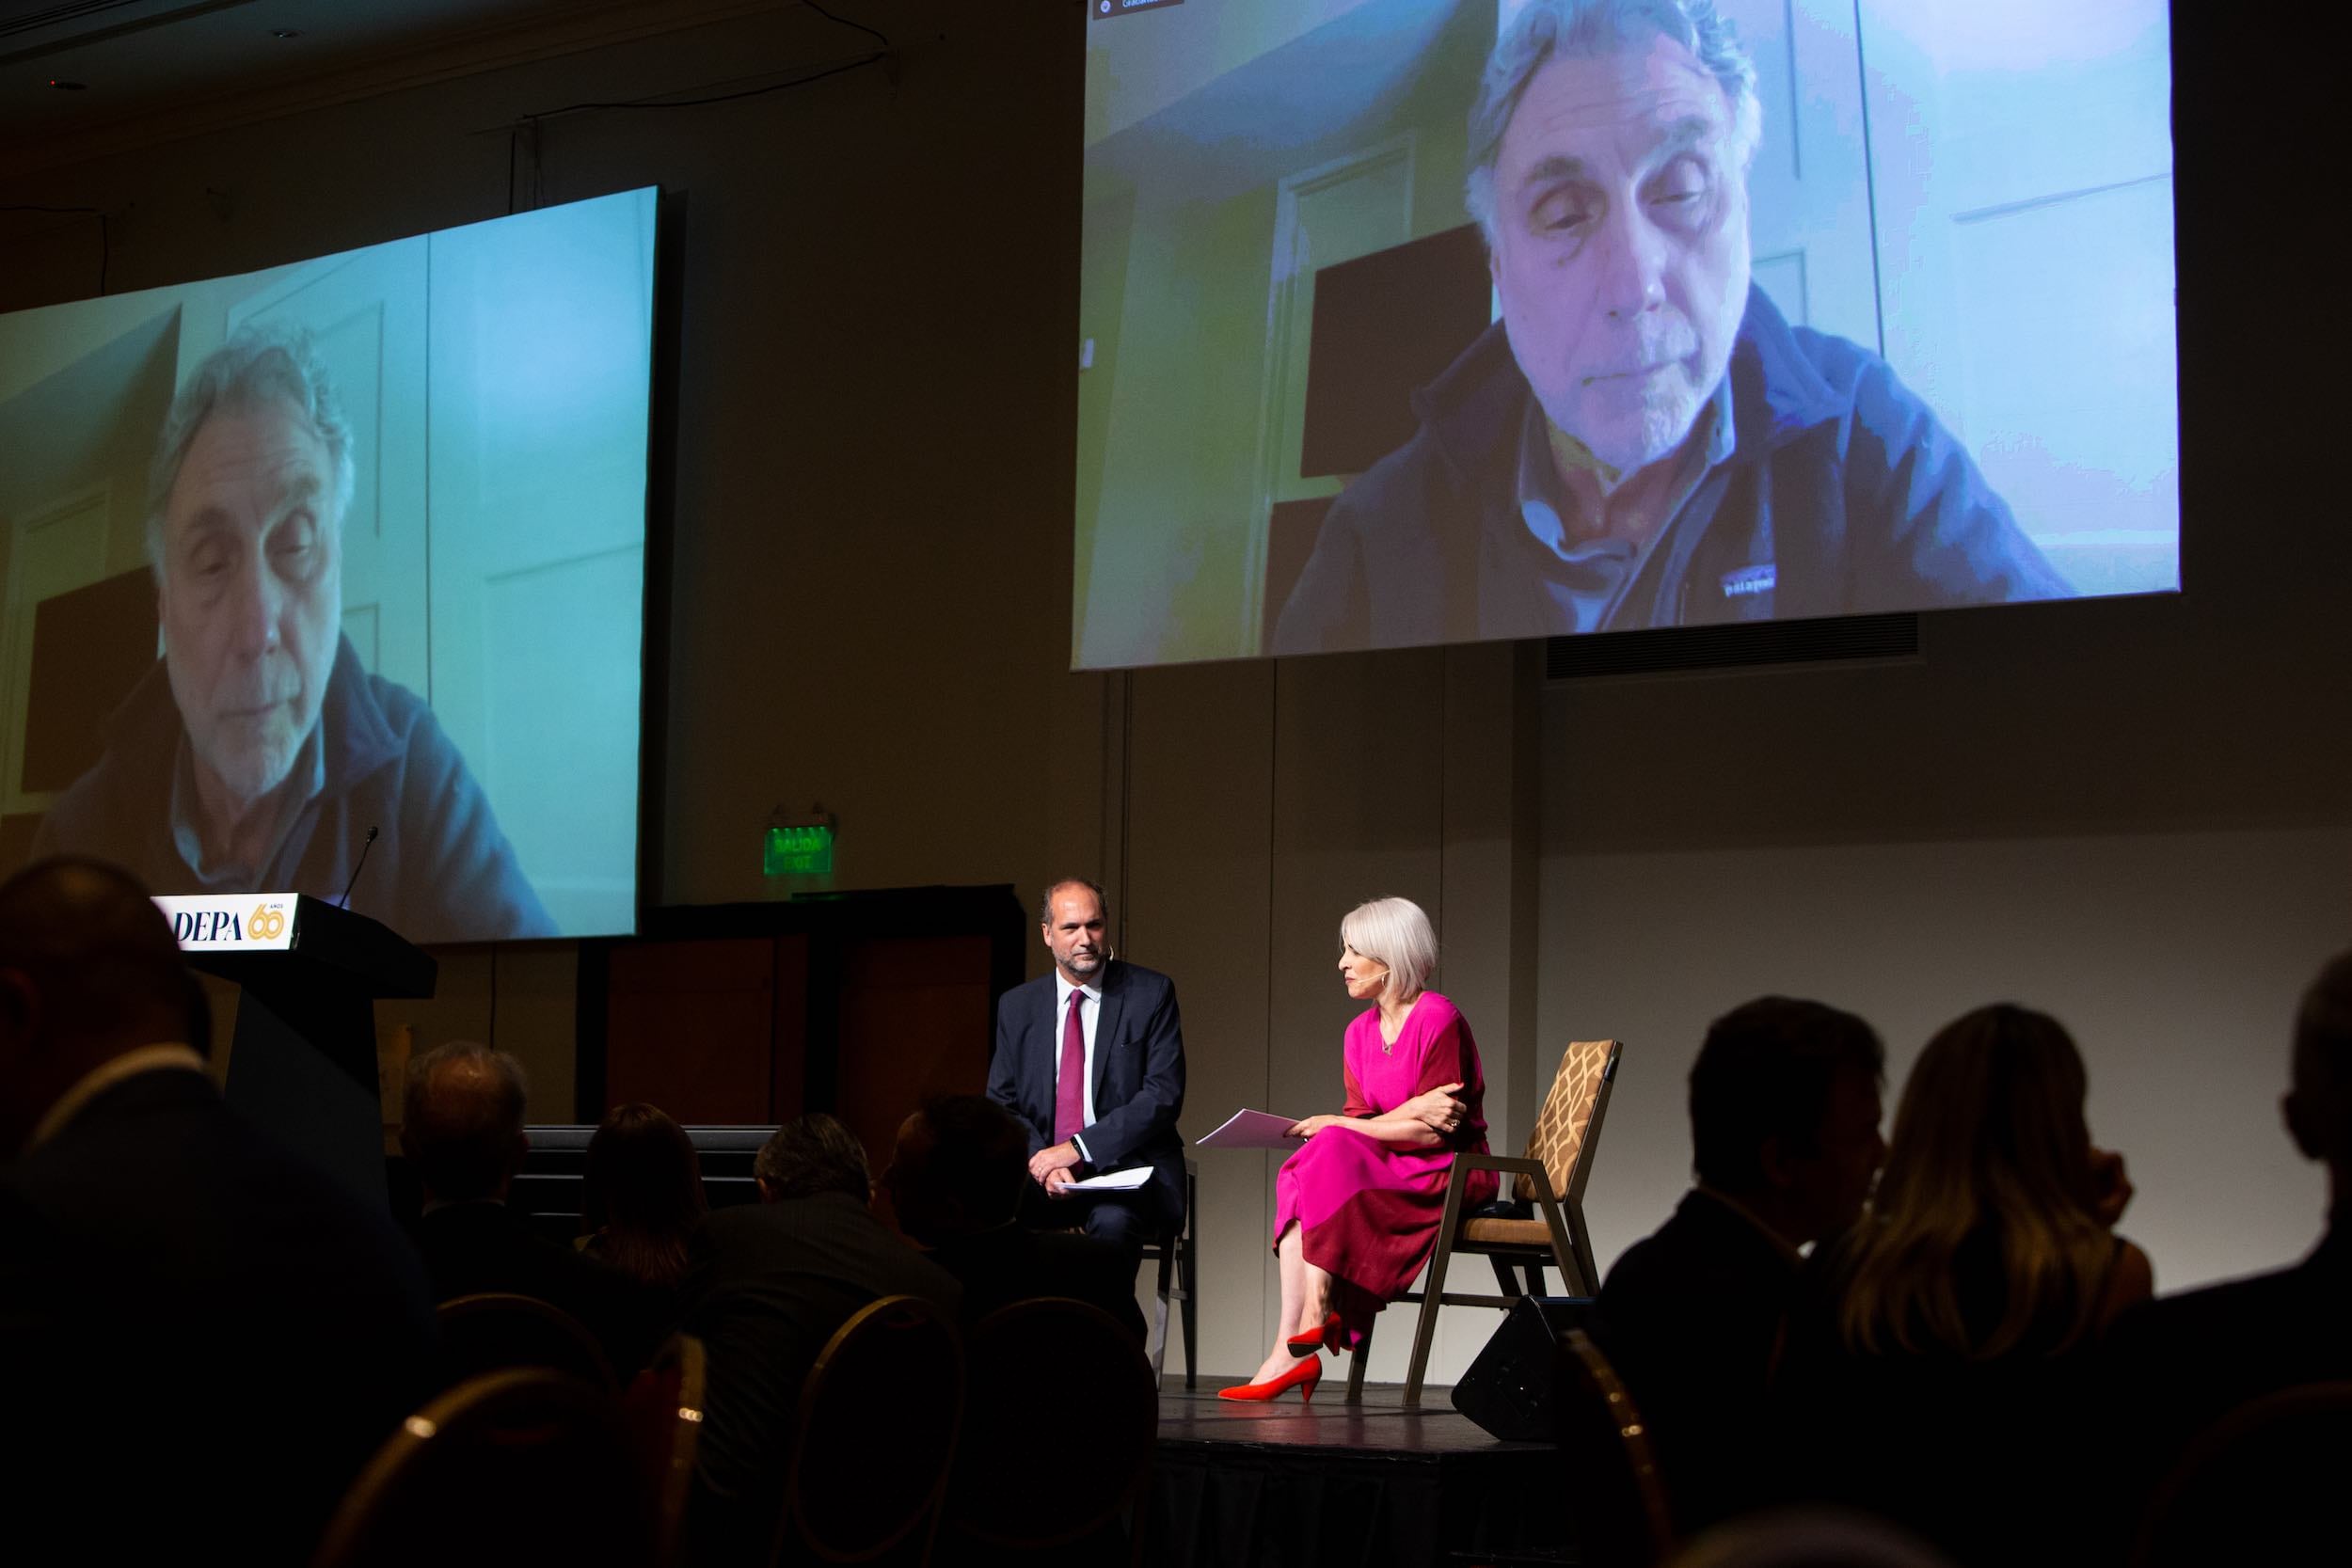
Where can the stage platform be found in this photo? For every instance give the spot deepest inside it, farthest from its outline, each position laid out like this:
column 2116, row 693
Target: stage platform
column 1286, row 1486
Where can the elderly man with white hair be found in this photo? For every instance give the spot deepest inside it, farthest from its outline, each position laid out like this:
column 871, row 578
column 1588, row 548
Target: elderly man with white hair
column 260, row 754
column 1642, row 440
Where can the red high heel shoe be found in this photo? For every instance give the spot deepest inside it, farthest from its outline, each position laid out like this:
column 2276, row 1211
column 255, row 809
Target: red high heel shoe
column 1325, row 1338
column 1305, row 1375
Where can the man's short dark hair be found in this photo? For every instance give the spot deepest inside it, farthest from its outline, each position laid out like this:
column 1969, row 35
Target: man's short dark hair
column 460, row 1118
column 979, row 1155
column 88, row 936
column 2322, row 1024
column 1045, row 899
column 1766, row 1072
column 814, row 1154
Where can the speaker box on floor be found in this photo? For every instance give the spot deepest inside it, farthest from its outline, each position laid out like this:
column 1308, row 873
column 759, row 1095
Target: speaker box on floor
column 1507, row 1390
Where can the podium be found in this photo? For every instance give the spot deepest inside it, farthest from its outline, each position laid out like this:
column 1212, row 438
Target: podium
column 302, row 1060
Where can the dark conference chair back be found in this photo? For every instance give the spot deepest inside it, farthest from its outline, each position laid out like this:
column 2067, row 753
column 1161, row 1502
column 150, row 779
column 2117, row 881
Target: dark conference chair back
column 518, row 1466
column 494, row 1332
column 1808, row 1538
column 663, row 1408
column 879, row 1419
column 2262, row 1485
column 1029, row 1362
column 1621, row 1515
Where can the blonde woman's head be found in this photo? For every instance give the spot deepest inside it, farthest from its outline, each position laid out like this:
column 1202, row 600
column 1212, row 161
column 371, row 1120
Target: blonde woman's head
column 1394, row 935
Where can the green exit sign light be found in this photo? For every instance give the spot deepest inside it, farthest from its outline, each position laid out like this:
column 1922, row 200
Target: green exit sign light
column 800, row 852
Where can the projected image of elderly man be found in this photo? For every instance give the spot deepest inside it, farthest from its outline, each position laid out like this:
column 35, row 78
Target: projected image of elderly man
column 1643, row 439
column 259, row 753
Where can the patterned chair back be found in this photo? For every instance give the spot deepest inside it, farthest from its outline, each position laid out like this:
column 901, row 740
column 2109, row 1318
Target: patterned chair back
column 1562, row 1126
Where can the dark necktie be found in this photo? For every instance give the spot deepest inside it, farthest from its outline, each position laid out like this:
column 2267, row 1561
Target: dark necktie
column 1070, row 1089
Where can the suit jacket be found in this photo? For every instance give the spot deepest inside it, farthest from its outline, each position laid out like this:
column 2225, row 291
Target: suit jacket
column 766, row 1284
column 2173, row 1366
column 472, row 1247
column 1693, row 1317
column 1139, row 1076
column 204, row 1337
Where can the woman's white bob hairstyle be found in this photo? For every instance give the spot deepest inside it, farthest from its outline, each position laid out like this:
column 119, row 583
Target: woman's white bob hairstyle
column 1395, row 932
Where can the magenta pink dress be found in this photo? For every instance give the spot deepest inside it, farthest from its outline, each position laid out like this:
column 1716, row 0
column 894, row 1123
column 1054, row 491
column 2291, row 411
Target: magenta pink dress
column 1369, row 1209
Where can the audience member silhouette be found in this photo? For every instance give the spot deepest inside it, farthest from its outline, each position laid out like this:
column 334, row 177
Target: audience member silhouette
column 462, row 1128
column 767, row 1285
column 2178, row 1365
column 1785, row 1141
column 204, row 1337
column 642, row 1195
column 1941, row 1376
column 957, row 1180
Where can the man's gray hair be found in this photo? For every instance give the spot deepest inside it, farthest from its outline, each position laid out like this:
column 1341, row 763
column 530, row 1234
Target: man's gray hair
column 1585, row 29
column 462, row 1110
column 260, row 367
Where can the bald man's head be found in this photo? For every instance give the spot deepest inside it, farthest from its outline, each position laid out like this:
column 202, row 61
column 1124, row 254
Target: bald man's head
column 462, row 1121
column 88, row 970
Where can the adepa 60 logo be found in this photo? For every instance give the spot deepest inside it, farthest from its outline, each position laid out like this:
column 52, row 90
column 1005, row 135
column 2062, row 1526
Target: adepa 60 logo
column 265, row 920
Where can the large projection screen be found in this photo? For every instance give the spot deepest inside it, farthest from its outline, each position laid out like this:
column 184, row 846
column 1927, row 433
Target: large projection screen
column 342, row 557
column 1773, row 310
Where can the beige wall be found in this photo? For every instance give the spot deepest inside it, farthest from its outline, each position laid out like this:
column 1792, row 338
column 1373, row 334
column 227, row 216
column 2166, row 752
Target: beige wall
column 2133, row 812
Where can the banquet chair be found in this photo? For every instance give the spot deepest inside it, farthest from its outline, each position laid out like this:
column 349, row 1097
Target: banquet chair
column 1541, row 1224
column 497, row 1330
column 877, row 1431
column 1177, row 1253
column 519, row 1466
column 1622, row 1517
column 663, row 1410
column 1003, row 1505
column 2259, row 1486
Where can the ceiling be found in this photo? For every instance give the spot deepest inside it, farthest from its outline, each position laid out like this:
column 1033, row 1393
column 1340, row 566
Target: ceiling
column 149, row 69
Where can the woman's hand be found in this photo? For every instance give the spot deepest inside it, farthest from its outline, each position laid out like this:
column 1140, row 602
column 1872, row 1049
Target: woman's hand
column 1438, row 1110
column 2110, row 1188
column 1313, row 1125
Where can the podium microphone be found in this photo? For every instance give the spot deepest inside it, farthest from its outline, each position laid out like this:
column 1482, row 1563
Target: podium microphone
column 344, row 902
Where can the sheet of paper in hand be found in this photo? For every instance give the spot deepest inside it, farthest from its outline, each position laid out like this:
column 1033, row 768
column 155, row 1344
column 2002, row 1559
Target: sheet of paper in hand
column 1112, row 1182
column 1252, row 1130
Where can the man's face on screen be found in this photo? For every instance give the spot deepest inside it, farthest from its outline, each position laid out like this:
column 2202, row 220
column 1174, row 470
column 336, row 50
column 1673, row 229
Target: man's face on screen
column 250, row 594
column 1620, row 245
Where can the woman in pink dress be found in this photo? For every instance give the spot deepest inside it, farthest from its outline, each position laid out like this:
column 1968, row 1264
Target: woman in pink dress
column 1357, row 1210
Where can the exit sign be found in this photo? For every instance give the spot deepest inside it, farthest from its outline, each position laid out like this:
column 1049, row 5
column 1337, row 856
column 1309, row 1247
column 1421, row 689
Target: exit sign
column 802, row 850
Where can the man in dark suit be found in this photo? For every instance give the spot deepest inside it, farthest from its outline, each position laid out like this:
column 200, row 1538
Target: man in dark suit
column 2178, row 1365
column 1785, row 1142
column 1092, row 1060
column 956, row 1181
column 462, row 1128
column 203, row 1339
column 766, row 1284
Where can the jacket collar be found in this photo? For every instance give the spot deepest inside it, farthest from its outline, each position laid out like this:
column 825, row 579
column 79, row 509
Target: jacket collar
column 355, row 735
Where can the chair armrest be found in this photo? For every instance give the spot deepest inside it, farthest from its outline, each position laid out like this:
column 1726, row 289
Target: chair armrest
column 1510, row 1165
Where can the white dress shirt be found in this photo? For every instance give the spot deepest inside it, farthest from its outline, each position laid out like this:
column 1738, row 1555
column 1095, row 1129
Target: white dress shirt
column 1090, row 1013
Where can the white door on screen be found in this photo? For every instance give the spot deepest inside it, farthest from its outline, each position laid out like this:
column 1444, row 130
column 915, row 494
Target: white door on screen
column 1323, row 215
column 2021, row 154
column 542, row 337
column 1808, row 188
column 365, row 312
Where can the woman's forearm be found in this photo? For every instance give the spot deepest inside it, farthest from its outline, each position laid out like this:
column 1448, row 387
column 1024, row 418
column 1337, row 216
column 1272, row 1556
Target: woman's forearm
column 1409, row 1131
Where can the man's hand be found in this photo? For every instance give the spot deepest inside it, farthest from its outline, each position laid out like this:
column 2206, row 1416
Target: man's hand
column 1438, row 1110
column 1057, row 1181
column 1060, row 1157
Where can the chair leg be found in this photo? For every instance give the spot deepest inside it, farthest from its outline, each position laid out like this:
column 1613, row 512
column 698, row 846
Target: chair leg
column 1425, row 1328
column 1356, row 1364
column 1191, row 1318
column 1506, row 1274
column 1159, row 1329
